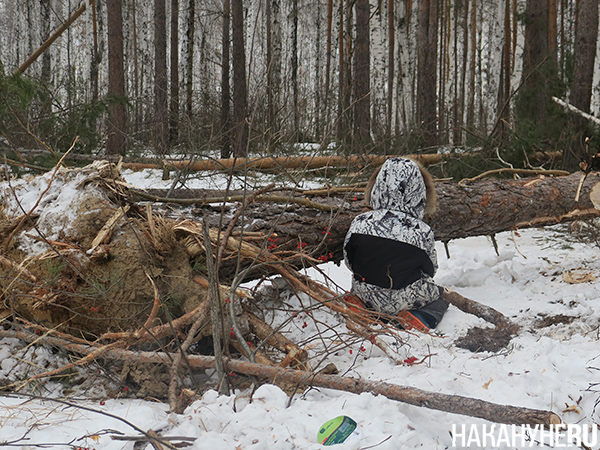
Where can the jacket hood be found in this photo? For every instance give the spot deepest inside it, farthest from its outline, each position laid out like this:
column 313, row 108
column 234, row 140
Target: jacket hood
column 400, row 187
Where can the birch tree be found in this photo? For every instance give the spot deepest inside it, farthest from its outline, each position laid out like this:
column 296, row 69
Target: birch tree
column 225, row 85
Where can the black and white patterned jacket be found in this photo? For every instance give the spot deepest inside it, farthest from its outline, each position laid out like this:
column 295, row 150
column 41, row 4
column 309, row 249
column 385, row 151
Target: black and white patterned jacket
column 390, row 250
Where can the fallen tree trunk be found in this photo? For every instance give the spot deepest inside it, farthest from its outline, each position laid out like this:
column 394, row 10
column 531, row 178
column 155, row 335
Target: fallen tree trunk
column 294, row 162
column 483, row 207
column 53, row 37
column 433, row 400
column 492, row 206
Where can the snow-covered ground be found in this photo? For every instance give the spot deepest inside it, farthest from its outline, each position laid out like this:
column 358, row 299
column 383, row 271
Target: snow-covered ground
column 538, row 273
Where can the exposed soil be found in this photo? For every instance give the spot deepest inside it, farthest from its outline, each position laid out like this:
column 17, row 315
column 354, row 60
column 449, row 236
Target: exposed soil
column 480, row 339
column 547, row 321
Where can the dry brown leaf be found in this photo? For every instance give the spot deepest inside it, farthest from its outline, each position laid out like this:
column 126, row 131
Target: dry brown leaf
column 577, row 276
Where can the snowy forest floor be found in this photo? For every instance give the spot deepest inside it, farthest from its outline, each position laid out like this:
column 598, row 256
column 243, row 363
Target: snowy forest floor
column 543, row 279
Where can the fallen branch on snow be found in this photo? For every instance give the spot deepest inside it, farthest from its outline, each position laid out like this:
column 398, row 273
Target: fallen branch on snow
column 433, row 400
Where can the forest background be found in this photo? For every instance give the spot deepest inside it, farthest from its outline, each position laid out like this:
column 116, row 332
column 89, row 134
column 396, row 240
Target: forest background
column 238, row 77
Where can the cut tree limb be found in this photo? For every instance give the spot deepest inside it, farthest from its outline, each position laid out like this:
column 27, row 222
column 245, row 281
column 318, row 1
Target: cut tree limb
column 485, row 312
column 454, row 404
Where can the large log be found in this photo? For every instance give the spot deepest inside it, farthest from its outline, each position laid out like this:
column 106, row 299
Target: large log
column 487, row 207
column 482, row 207
column 294, row 162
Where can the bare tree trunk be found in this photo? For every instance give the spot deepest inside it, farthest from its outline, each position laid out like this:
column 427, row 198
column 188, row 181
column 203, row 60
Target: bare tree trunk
column 553, row 33
column 328, row 68
column 191, row 32
column 270, row 87
column 96, row 58
column 503, row 107
column 29, row 11
column 472, row 69
column 341, row 131
column 115, row 143
column 294, row 70
column 460, row 101
column 586, row 37
column 46, row 73
column 534, row 104
column 174, row 104
column 225, row 85
column 161, row 117
column 391, row 67
column 136, row 70
column 345, row 78
column 427, row 70
column 481, row 208
column 318, row 86
column 444, row 27
column 240, row 98
column 362, row 76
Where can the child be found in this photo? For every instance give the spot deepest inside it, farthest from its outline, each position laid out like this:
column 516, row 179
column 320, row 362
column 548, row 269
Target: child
column 391, row 251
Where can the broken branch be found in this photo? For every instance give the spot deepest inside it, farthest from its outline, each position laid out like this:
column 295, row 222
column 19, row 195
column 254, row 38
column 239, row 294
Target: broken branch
column 455, row 404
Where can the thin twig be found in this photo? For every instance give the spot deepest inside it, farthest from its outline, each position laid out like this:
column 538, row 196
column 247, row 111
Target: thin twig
column 550, row 173
column 93, row 410
column 215, row 315
column 235, row 198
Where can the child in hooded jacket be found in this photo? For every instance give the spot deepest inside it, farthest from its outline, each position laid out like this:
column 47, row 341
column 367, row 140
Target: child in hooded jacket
column 391, row 250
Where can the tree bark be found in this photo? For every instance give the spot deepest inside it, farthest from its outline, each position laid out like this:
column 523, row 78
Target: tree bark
column 426, row 71
column 240, row 96
column 191, row 32
column 328, row 70
column 116, row 122
column 472, row 70
column 344, row 72
column 318, row 126
column 46, row 72
column 174, row 101
column 294, row 69
column 362, row 76
column 504, row 93
column 270, row 87
column 391, row 66
column 459, row 104
column 137, row 79
column 225, row 84
column 586, row 37
column 534, row 106
column 161, row 118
